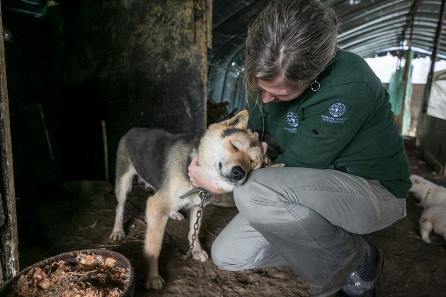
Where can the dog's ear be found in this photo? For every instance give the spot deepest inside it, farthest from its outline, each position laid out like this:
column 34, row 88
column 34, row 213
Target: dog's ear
column 415, row 179
column 240, row 120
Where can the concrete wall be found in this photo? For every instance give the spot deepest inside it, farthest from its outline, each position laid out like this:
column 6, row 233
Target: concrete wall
column 431, row 138
column 431, row 135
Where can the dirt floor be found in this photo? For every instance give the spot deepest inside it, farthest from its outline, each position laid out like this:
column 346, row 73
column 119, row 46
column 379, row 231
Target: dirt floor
column 84, row 219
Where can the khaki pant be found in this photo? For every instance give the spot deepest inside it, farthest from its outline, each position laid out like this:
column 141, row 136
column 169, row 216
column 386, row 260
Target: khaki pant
column 309, row 219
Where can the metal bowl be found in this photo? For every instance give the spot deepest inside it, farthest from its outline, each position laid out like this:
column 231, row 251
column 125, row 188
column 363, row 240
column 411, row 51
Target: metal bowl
column 71, row 257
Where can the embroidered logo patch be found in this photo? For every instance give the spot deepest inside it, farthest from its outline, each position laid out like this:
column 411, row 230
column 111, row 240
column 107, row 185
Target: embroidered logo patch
column 335, row 113
column 293, row 122
column 337, row 109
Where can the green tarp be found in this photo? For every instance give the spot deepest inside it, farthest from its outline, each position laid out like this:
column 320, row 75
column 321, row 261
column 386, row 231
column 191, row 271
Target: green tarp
column 396, row 93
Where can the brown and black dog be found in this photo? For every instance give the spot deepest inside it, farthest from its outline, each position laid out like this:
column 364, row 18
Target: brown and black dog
column 227, row 152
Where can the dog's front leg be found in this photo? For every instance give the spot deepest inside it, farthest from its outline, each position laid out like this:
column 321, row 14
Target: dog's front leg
column 157, row 215
column 197, row 252
column 425, row 229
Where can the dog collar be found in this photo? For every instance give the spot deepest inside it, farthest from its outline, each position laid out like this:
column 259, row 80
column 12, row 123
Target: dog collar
column 201, row 192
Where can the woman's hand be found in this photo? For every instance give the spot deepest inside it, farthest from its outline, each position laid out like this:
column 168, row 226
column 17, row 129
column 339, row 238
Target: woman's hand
column 199, row 178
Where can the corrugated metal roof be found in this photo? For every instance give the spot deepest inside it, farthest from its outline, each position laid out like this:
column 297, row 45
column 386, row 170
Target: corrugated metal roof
column 371, row 27
column 367, row 27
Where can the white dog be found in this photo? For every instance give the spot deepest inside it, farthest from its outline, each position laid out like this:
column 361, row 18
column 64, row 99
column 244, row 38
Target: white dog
column 433, row 198
column 426, row 192
column 433, row 217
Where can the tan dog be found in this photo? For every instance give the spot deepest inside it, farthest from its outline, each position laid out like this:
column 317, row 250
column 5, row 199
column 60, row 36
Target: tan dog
column 433, row 198
column 227, row 152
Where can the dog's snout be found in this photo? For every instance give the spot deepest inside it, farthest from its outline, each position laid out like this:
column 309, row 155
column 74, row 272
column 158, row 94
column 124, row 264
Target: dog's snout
column 237, row 173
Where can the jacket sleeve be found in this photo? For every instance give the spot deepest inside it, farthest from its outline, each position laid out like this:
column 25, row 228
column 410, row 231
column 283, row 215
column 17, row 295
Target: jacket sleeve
column 327, row 127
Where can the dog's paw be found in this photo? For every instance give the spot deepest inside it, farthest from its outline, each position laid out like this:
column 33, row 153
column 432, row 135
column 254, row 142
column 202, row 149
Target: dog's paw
column 156, row 283
column 175, row 215
column 200, row 255
column 426, row 239
column 117, row 235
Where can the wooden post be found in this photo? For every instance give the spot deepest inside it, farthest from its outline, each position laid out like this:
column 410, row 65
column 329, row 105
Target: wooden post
column 408, row 58
column 8, row 232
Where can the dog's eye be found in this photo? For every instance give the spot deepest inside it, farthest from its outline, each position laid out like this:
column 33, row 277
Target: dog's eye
column 233, row 146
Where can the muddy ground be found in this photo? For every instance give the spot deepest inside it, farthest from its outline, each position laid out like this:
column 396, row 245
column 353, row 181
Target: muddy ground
column 83, row 218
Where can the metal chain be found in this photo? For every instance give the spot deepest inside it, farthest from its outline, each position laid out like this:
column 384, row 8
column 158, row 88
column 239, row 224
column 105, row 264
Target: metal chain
column 203, row 194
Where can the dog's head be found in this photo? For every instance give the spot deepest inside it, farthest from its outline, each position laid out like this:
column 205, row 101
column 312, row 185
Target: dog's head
column 229, row 150
column 420, row 188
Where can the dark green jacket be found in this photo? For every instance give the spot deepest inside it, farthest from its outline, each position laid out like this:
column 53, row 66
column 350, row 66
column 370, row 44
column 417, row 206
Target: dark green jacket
column 346, row 125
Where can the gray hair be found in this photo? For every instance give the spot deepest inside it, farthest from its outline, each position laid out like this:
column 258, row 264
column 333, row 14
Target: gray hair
column 291, row 38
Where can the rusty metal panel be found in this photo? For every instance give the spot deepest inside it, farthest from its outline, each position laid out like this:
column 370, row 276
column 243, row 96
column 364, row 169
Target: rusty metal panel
column 133, row 63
